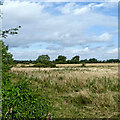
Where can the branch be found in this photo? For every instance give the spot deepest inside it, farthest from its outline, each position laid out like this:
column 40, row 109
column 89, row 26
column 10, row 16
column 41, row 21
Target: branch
column 12, row 31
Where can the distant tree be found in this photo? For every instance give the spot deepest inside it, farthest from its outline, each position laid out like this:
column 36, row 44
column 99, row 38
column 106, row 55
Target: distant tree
column 84, row 61
column 68, row 61
column 92, row 60
column 75, row 59
column 113, row 61
column 43, row 59
column 61, row 59
column 30, row 61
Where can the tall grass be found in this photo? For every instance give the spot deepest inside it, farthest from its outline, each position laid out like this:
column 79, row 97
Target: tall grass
column 77, row 93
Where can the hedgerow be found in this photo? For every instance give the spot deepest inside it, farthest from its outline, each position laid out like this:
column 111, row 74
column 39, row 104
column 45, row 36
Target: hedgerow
column 19, row 100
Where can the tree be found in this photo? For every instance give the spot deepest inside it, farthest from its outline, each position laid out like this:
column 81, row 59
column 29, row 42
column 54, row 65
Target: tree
column 93, row 60
column 11, row 31
column 113, row 61
column 61, row 59
column 43, row 59
column 7, row 59
column 75, row 59
column 84, row 61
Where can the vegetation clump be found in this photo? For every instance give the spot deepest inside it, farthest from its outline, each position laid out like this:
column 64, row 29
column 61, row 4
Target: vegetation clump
column 83, row 64
column 19, row 101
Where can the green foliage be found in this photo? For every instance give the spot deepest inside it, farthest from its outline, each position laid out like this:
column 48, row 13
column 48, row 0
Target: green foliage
column 43, row 59
column 93, row 60
column 76, row 58
column 61, row 59
column 19, row 101
column 47, row 64
column 23, row 101
column 39, row 65
column 113, row 61
column 12, row 31
column 7, row 59
column 83, row 64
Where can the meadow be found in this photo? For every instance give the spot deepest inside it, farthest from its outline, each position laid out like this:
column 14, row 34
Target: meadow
column 74, row 91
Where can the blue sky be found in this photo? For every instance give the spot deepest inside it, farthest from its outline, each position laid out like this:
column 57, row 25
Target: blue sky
column 87, row 29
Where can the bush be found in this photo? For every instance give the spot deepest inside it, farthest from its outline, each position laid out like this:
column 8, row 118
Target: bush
column 39, row 65
column 22, row 66
column 83, row 65
column 20, row 101
column 45, row 65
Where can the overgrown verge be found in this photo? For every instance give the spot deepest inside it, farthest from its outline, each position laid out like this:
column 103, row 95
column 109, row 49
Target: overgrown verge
column 20, row 101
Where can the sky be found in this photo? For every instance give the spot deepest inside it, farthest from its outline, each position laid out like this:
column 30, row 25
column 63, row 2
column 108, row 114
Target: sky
column 87, row 29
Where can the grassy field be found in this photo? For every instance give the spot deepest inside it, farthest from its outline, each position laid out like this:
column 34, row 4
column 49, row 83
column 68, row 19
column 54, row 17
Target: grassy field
column 74, row 91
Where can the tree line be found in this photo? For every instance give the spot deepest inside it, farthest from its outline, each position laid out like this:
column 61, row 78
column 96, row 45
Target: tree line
column 45, row 59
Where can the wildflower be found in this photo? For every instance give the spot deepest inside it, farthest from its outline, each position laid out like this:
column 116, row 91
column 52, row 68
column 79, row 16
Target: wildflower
column 51, row 117
column 49, row 113
column 47, row 118
column 10, row 110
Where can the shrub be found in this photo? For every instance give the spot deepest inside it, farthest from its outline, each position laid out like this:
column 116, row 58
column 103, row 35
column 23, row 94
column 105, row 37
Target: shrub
column 83, row 65
column 20, row 101
column 39, row 65
column 22, row 66
column 45, row 65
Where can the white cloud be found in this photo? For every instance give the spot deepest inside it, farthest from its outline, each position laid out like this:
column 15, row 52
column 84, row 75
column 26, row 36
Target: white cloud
column 113, row 51
column 63, row 26
column 85, row 53
column 40, row 25
column 81, row 10
column 103, row 37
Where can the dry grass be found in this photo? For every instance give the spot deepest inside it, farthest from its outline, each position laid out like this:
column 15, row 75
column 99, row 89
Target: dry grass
column 83, row 73
column 77, row 65
column 33, row 69
column 88, row 64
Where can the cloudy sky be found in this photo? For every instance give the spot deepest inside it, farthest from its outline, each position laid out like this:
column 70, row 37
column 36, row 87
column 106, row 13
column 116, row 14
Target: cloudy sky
column 87, row 29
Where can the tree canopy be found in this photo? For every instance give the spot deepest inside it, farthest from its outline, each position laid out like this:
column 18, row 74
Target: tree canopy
column 43, row 58
column 75, row 59
column 61, row 59
column 6, row 56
